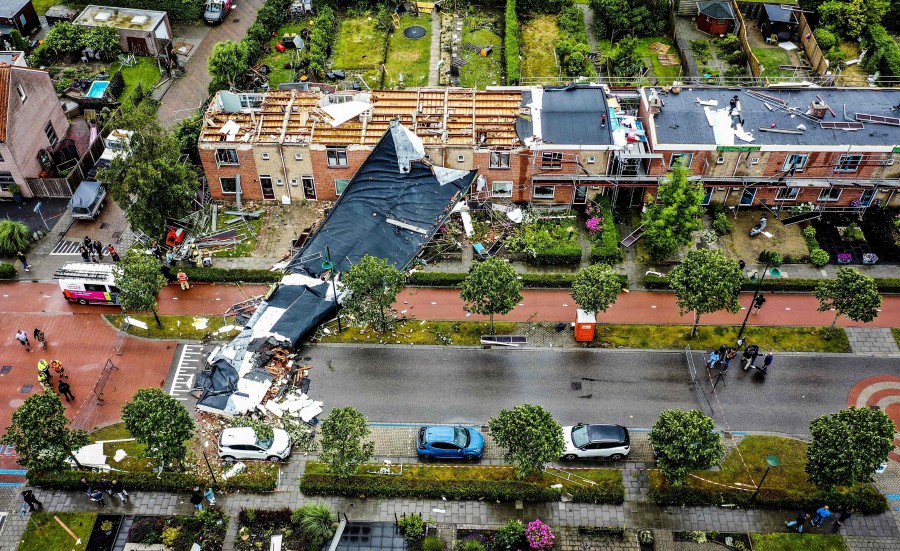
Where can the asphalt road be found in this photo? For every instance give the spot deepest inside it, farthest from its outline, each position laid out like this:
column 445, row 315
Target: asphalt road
column 451, row 385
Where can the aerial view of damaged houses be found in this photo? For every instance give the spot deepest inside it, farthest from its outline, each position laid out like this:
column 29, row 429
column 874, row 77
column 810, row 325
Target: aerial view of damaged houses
column 450, row 275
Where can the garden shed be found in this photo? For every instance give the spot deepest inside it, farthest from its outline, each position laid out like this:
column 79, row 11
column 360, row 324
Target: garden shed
column 141, row 32
column 716, row 18
column 18, row 14
column 775, row 19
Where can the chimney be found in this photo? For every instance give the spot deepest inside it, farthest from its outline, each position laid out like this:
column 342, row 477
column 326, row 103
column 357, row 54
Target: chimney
column 818, row 109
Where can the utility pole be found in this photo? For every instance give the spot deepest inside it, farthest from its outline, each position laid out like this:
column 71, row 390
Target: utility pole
column 753, row 302
column 329, row 265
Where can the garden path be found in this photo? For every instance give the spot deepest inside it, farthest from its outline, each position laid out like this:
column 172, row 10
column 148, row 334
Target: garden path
column 433, row 72
column 589, row 23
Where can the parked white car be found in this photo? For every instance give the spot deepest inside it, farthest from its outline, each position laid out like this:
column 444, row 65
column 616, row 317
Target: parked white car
column 243, row 443
column 596, row 442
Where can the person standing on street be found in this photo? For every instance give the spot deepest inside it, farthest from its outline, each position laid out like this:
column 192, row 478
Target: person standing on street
column 40, row 338
column 183, row 279
column 113, row 253
column 197, row 499
column 210, row 496
column 759, row 302
column 24, row 261
column 84, row 253
column 83, row 486
column 713, row 359
column 57, row 366
column 767, row 362
column 119, row 490
column 23, row 338
column 821, row 514
column 98, row 248
column 799, row 522
column 66, row 391
column 845, row 516
column 97, row 497
column 729, row 355
column 29, row 498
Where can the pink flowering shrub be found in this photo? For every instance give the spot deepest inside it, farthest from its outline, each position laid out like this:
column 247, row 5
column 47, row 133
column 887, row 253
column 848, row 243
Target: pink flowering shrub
column 594, row 225
column 539, row 536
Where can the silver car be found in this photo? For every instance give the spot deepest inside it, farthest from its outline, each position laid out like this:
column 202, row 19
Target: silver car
column 596, row 442
column 243, row 443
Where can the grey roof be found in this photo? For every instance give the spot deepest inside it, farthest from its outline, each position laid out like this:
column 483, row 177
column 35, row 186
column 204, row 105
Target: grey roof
column 572, row 115
column 775, row 13
column 9, row 8
column 716, row 10
column 683, row 121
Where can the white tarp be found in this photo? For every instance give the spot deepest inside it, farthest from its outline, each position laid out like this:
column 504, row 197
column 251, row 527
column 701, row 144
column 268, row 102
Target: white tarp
column 343, row 112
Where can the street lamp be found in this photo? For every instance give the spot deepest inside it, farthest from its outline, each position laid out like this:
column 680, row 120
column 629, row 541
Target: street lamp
column 753, row 302
column 328, row 265
column 771, row 461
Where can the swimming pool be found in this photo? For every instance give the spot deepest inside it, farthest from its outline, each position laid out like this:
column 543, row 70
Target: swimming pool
column 98, row 87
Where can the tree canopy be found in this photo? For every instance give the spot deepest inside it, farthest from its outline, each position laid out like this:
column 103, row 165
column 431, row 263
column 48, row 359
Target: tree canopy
column 596, row 288
column 161, row 423
column 848, row 446
column 373, row 284
column 531, row 436
column 228, row 64
column 850, row 294
column 674, row 215
column 492, row 287
column 636, row 17
column 40, row 434
column 685, row 441
column 704, row 282
column 139, row 280
column 343, row 446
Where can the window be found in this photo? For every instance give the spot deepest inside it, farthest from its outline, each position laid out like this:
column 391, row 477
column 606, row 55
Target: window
column 499, row 159
column 830, row 194
column 94, row 287
column 551, row 160
column 866, row 198
column 848, row 163
column 298, row 156
column 544, row 192
column 795, row 162
column 460, row 158
column 591, row 160
column 51, row 133
column 265, row 156
column 340, row 185
column 685, row 158
column 226, row 157
column 22, row 95
column 720, row 161
column 229, row 185
column 6, row 180
column 501, row 189
column 787, row 194
column 707, row 197
column 754, row 161
column 337, row 157
column 748, row 196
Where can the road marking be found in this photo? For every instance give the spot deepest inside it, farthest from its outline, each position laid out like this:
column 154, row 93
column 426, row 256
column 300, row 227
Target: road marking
column 66, row 248
column 190, row 362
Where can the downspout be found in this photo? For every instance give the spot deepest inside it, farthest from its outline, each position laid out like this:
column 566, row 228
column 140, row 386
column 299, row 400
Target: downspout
column 287, row 184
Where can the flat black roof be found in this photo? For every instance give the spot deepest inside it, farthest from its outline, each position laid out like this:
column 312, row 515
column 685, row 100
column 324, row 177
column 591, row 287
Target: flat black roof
column 683, row 121
column 572, row 115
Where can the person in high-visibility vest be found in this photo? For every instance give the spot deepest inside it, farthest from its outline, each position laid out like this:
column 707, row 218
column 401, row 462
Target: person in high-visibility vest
column 183, row 279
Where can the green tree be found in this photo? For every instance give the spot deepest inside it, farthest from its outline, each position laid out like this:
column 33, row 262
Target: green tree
column 637, row 17
column 343, row 448
column 850, row 294
column 139, row 280
column 373, row 284
column 149, row 181
column 674, row 215
column 14, row 236
column 531, row 436
column 102, row 39
column 161, row 423
column 41, row 436
column 492, row 287
column 685, row 441
column 187, row 133
column 64, row 37
column 228, row 64
column 626, row 61
column 706, row 282
column 18, row 42
column 596, row 288
column 851, row 18
column 848, row 446
column 316, row 523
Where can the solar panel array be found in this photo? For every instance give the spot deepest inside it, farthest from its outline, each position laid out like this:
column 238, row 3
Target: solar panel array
column 842, row 125
column 893, row 121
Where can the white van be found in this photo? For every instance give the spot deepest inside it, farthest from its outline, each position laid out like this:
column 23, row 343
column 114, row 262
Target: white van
column 88, row 283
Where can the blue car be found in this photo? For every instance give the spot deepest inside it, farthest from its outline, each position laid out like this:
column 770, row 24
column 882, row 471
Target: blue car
column 443, row 442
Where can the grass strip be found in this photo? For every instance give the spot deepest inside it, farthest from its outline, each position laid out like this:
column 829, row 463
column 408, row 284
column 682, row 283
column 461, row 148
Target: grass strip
column 174, row 327
column 43, row 532
column 798, row 542
column 134, row 461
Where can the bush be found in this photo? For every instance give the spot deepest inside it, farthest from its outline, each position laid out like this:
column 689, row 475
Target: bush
column 863, row 497
column 529, row 280
column 412, row 527
column 142, row 481
column 510, row 535
column 825, row 38
column 783, row 284
column 14, row 236
column 562, row 255
column 772, row 257
column 231, row 275
column 433, row 543
column 884, row 53
column 809, row 232
column 721, row 224
column 819, row 257
column 320, row 40
column 607, row 250
column 146, row 530
column 7, row 271
column 511, row 44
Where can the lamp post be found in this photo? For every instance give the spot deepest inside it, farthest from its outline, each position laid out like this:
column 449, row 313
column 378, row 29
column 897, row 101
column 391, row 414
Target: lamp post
column 753, row 302
column 771, row 461
column 328, row 265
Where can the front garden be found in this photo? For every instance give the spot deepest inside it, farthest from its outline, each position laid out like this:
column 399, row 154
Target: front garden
column 180, row 533
column 48, row 534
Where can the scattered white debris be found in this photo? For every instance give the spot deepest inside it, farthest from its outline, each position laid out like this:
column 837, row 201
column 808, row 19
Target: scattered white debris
column 120, row 455
column 200, row 323
column 236, row 469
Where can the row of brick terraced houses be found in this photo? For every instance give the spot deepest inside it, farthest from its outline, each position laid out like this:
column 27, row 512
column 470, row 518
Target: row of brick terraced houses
column 832, row 147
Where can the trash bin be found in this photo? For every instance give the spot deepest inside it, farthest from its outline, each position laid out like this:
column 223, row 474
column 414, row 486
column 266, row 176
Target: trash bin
column 585, row 326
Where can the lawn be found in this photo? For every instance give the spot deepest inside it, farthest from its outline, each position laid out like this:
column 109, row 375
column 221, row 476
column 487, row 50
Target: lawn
column 424, row 332
column 650, row 57
column 276, row 60
column 48, row 535
column 174, row 327
column 896, row 332
column 537, row 40
column 146, row 71
column 482, row 71
column 247, row 240
column 408, row 60
column 798, row 542
column 134, row 462
column 852, row 75
column 41, row 6
column 360, row 47
column 770, row 59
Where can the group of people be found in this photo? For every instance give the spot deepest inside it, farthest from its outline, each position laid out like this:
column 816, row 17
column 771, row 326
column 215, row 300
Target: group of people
column 95, row 492
column 721, row 358
column 197, row 498
column 195, row 258
column 44, row 378
column 93, row 250
column 821, row 515
column 39, row 336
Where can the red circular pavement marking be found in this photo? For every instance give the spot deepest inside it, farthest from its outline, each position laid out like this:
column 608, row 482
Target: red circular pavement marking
column 886, row 395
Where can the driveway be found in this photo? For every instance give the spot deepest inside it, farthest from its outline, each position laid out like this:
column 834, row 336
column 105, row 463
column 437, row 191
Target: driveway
column 188, row 94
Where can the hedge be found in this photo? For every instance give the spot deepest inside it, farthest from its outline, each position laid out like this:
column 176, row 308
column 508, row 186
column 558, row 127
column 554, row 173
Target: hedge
column 529, row 280
column 785, row 284
column 231, row 275
column 148, row 482
column 490, row 490
column 863, row 497
column 884, row 53
column 7, row 271
column 563, row 255
column 608, row 250
column 511, row 45
column 178, row 10
column 320, row 40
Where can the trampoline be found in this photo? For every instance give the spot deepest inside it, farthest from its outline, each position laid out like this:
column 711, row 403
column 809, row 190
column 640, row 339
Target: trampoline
column 414, row 32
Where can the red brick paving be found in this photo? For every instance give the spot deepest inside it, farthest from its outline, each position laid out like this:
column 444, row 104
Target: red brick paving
column 888, row 387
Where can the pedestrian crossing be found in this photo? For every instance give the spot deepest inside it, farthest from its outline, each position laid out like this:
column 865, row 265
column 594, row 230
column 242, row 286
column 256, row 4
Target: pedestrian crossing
column 191, row 359
column 66, row 248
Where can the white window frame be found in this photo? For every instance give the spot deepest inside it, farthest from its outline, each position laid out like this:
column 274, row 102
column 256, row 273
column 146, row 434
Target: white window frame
column 689, row 157
column 787, row 194
column 788, row 162
column 265, row 156
column 844, row 159
column 222, row 185
column 506, row 184
column 298, row 156
column 339, row 191
column 460, row 158
column 828, row 198
column 23, row 95
column 224, row 157
column 499, row 159
column 551, row 160
column 51, row 134
column 534, row 194
column 337, row 157
column 707, row 197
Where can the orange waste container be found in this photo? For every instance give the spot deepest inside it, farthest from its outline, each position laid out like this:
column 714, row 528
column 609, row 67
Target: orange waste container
column 585, row 326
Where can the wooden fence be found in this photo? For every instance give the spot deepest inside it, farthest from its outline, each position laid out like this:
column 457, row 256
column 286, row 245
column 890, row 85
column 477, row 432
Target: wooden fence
column 755, row 67
column 814, row 54
column 64, row 187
